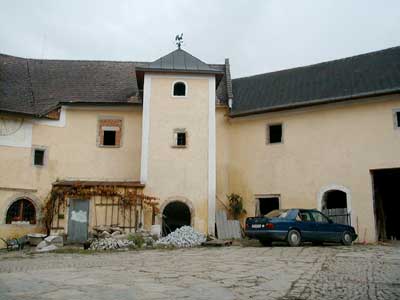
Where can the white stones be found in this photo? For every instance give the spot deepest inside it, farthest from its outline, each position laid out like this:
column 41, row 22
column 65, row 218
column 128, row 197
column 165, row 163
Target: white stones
column 50, row 243
column 111, row 244
column 183, row 237
column 55, row 240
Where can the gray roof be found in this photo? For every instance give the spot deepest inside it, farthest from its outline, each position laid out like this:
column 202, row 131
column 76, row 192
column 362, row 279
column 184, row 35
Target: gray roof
column 34, row 87
column 180, row 61
column 370, row 74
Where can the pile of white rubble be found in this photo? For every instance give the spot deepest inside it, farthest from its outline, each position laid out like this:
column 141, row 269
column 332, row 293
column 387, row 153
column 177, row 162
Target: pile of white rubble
column 111, row 244
column 183, row 237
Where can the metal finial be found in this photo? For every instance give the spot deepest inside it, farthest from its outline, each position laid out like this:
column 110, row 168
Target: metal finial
column 179, row 40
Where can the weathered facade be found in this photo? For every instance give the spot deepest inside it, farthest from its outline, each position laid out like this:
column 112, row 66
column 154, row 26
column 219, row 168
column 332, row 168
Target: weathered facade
column 182, row 131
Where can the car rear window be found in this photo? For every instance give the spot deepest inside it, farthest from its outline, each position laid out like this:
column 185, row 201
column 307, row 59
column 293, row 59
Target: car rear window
column 278, row 213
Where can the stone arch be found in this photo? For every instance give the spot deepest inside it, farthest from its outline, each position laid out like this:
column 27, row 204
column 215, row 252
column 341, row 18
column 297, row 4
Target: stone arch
column 19, row 196
column 180, row 200
column 334, row 188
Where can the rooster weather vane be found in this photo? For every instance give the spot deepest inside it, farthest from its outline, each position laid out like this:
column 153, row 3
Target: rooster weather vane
column 179, row 40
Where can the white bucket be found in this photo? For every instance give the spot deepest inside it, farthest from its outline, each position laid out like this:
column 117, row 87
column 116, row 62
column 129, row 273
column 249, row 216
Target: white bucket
column 156, row 230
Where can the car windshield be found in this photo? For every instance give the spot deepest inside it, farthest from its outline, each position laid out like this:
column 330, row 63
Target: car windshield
column 277, row 214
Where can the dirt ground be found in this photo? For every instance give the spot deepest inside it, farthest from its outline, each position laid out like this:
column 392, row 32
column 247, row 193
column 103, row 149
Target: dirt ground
column 236, row 272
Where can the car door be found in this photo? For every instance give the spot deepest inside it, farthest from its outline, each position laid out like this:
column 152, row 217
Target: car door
column 326, row 230
column 308, row 227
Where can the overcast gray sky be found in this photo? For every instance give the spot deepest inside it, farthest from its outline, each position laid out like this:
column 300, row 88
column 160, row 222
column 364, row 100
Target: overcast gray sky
column 257, row 36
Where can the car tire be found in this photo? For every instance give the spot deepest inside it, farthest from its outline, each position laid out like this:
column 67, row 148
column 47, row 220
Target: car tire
column 347, row 239
column 266, row 243
column 294, row 238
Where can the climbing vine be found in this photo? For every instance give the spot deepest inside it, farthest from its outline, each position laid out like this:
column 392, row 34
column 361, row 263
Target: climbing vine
column 126, row 198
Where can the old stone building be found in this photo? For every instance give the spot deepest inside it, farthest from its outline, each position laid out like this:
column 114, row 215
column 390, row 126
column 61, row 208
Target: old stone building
column 94, row 135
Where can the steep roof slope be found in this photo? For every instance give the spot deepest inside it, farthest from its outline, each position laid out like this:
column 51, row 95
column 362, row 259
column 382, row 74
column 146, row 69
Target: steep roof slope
column 180, row 61
column 358, row 76
column 34, row 87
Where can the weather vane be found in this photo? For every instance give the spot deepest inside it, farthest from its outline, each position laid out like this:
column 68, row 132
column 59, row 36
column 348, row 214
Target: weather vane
column 179, row 40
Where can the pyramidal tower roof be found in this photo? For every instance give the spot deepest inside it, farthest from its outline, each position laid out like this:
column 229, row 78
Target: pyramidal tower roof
column 179, row 61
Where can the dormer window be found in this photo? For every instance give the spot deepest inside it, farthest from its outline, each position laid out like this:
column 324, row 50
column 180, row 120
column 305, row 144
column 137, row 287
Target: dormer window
column 179, row 89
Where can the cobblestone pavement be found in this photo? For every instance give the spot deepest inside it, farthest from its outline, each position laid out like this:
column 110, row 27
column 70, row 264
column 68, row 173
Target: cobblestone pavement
column 329, row 272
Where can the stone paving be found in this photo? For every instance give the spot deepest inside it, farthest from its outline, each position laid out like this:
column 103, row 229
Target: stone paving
column 310, row 272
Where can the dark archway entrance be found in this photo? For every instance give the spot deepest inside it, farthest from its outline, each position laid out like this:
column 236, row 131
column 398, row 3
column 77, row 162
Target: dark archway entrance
column 176, row 214
column 386, row 203
column 334, row 205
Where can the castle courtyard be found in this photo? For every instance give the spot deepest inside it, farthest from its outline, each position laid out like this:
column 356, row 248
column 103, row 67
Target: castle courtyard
column 309, row 272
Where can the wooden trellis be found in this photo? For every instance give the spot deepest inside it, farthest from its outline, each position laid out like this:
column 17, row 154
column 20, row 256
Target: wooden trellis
column 119, row 204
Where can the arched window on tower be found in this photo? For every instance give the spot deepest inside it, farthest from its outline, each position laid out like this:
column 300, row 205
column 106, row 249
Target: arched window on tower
column 179, row 89
column 22, row 211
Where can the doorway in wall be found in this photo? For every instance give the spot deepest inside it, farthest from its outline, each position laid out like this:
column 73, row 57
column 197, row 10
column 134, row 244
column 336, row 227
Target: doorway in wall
column 265, row 204
column 175, row 215
column 334, row 205
column 387, row 203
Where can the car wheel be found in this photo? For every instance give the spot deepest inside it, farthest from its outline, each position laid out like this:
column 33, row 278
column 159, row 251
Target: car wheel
column 266, row 243
column 347, row 239
column 294, row 238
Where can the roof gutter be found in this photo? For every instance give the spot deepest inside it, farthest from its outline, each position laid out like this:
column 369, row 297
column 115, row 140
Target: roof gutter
column 313, row 103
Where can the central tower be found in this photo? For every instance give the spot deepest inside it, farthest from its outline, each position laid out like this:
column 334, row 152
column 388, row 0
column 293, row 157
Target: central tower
column 178, row 159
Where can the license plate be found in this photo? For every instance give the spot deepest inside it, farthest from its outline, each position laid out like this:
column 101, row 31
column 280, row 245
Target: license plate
column 256, row 226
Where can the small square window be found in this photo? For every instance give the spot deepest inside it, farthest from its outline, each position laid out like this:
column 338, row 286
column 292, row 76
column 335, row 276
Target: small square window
column 38, row 158
column 109, row 132
column 275, row 133
column 181, row 139
column 109, row 138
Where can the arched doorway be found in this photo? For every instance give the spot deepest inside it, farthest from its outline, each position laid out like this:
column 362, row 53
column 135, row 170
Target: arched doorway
column 175, row 215
column 334, row 203
column 334, row 199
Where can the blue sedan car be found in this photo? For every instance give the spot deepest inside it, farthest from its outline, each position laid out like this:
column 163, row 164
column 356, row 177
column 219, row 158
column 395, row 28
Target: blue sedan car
column 296, row 226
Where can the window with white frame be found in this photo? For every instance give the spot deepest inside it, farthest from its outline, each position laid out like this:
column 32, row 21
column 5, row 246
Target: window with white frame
column 179, row 89
column 180, row 138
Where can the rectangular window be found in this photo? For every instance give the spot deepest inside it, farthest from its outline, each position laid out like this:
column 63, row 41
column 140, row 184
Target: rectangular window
column 266, row 204
column 38, row 157
column 110, row 130
column 180, row 138
column 109, row 138
column 275, row 133
column 398, row 118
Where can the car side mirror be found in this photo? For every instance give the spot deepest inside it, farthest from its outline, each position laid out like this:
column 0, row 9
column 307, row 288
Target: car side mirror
column 330, row 221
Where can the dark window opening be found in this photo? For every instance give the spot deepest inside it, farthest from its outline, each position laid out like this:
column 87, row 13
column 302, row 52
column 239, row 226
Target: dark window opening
column 268, row 204
column 181, row 139
column 398, row 118
column 334, row 199
column 175, row 215
column 21, row 211
column 386, row 204
column 275, row 133
column 109, row 138
column 38, row 159
column 179, row 89
column 334, row 205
